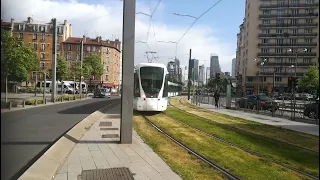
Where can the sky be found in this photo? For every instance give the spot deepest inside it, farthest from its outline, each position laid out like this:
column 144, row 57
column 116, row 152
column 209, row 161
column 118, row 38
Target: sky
column 215, row 32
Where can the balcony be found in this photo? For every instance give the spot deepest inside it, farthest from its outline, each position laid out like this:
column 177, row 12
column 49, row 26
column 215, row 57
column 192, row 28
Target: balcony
column 270, row 73
column 287, row 44
column 279, row 64
column 286, row 5
column 273, row 54
column 289, row 35
column 266, row 16
column 299, row 25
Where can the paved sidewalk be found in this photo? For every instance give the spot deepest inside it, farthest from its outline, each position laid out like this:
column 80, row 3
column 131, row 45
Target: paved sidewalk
column 274, row 121
column 94, row 151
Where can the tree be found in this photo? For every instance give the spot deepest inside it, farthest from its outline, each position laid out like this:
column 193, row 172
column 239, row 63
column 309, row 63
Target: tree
column 62, row 70
column 17, row 60
column 92, row 65
column 310, row 80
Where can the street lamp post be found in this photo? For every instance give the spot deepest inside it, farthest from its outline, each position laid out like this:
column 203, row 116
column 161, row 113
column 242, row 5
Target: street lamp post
column 260, row 64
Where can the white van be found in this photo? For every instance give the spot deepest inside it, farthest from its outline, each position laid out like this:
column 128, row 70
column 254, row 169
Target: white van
column 67, row 88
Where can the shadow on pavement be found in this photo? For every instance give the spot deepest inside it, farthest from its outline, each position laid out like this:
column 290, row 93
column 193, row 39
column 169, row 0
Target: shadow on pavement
column 89, row 108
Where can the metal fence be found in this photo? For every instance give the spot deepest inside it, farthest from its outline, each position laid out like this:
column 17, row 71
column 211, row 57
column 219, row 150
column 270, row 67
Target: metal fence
column 284, row 108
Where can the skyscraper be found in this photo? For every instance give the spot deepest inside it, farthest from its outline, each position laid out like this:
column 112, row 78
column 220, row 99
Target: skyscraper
column 282, row 34
column 194, row 64
column 214, row 65
column 233, row 68
column 202, row 74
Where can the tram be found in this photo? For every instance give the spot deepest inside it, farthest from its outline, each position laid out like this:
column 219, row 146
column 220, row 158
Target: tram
column 152, row 88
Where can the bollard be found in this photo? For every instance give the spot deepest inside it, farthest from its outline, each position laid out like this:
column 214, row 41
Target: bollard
column 245, row 105
column 10, row 105
column 61, row 98
column 45, row 101
column 23, row 103
column 35, row 102
column 273, row 109
column 68, row 98
column 258, row 106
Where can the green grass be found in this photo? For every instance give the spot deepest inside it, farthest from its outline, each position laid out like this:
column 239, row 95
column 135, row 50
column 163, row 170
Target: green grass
column 304, row 160
column 297, row 138
column 184, row 164
column 236, row 161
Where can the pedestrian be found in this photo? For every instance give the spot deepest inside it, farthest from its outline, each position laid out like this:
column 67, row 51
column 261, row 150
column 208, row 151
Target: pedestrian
column 216, row 98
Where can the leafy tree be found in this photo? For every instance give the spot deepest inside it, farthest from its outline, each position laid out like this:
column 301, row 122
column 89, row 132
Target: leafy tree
column 92, row 65
column 62, row 71
column 310, row 80
column 17, row 60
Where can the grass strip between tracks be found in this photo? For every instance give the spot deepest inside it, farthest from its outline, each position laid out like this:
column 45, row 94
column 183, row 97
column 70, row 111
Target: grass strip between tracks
column 305, row 161
column 236, row 161
column 297, row 138
column 186, row 165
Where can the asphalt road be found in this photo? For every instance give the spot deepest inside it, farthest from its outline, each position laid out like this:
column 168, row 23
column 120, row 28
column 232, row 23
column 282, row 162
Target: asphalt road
column 27, row 133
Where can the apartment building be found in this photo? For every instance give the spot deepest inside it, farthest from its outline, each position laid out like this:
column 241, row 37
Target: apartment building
column 110, row 57
column 277, row 39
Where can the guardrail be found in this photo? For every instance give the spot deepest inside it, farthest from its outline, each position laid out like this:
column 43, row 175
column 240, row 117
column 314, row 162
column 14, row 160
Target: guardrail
column 284, row 109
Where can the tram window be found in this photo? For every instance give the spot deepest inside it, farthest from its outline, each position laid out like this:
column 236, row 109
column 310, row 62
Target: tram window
column 165, row 89
column 136, row 85
column 151, row 80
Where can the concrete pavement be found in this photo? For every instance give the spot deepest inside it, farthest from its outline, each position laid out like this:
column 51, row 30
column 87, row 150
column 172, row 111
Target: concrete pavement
column 274, row 121
column 27, row 133
column 94, row 151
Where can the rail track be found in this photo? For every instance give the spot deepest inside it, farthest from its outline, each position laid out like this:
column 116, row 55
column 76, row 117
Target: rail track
column 244, row 149
column 235, row 128
column 199, row 156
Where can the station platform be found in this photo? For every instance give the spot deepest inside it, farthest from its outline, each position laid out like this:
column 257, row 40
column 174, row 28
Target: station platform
column 99, row 149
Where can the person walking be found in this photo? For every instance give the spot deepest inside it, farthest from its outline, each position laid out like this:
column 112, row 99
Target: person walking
column 216, row 98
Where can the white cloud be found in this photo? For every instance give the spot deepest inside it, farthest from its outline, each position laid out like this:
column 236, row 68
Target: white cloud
column 105, row 19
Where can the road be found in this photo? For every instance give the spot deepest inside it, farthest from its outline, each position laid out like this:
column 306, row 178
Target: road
column 27, row 134
column 23, row 96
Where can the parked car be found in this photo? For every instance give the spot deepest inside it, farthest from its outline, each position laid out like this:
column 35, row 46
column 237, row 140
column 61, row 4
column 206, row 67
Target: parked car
column 101, row 92
column 310, row 110
column 266, row 102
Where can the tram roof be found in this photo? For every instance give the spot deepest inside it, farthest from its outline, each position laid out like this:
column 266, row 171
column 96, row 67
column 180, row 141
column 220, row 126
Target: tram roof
column 172, row 84
column 150, row 64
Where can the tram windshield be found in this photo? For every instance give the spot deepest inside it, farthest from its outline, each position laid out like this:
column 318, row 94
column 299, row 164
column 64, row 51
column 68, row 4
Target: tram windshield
column 151, row 80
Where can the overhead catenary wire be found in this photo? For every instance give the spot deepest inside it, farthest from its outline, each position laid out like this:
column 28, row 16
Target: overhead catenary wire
column 194, row 22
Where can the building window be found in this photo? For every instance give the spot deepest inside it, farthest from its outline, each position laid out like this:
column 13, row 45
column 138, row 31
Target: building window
column 265, row 40
column 264, row 50
column 107, row 77
column 309, row 1
column 107, row 68
column 295, row 12
column 266, row 12
column 307, row 60
column 43, row 46
column 69, row 47
column 308, row 49
column 278, row 79
column 294, row 2
column 78, row 56
column 293, row 21
column 263, row 69
column 279, row 60
column 278, row 69
column 265, row 21
column 250, row 79
column 280, row 12
column 294, row 31
column 279, row 31
column 279, row 50
column 265, row 31
column 107, row 60
column 308, row 21
column 43, row 37
column 20, row 35
column 42, row 28
column 78, row 48
column 308, row 40
column 93, row 48
column 35, row 37
column 279, row 41
column 42, row 65
column 35, row 46
column 280, row 3
column 293, row 41
column 292, row 60
column 309, row 11
column 280, row 21
column 88, row 48
column 41, row 55
column 308, row 30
